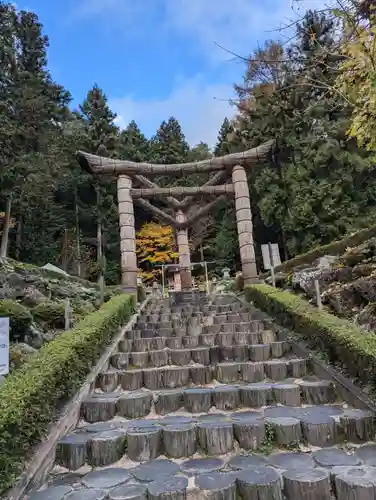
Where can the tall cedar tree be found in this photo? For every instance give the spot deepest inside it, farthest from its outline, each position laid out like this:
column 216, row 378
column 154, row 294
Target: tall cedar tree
column 321, row 186
column 169, row 146
column 32, row 109
column 102, row 139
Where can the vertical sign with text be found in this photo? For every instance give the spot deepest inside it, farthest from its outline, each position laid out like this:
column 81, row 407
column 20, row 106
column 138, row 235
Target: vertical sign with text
column 4, row 346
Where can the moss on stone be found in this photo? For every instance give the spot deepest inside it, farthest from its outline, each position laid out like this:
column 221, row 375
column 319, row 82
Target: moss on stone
column 19, row 316
column 50, row 314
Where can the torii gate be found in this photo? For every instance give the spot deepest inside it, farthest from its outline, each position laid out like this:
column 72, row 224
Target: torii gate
column 231, row 172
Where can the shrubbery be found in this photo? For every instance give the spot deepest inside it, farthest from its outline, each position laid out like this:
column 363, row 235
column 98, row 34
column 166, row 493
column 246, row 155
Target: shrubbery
column 30, row 398
column 19, row 316
column 344, row 343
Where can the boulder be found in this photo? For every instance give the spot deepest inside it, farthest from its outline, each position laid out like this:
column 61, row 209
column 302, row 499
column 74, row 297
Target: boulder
column 367, row 317
column 19, row 316
column 19, row 354
column 50, row 314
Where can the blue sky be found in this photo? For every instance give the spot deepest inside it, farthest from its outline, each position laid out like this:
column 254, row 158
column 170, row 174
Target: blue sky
column 157, row 58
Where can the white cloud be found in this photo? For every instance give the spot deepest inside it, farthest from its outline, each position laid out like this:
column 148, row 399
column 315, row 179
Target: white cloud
column 200, row 109
column 232, row 24
column 237, row 25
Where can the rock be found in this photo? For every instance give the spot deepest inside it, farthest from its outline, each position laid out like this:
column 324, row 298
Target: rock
column 19, row 354
column 49, row 313
column 20, row 318
column 32, row 298
column 281, row 279
column 305, row 279
column 360, row 253
column 367, row 317
column 54, row 269
column 326, row 261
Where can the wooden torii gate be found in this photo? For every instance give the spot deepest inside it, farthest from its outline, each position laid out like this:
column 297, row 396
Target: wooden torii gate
column 230, row 179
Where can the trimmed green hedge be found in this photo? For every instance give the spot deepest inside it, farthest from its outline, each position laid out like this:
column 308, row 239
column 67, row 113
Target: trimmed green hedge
column 335, row 248
column 31, row 398
column 344, row 343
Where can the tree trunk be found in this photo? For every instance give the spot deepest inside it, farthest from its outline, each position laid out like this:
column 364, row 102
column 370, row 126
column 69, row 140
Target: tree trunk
column 64, row 252
column 99, row 230
column 201, row 253
column 78, row 243
column 5, row 235
column 19, row 237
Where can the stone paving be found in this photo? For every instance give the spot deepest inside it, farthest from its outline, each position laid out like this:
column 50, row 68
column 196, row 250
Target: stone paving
column 201, row 401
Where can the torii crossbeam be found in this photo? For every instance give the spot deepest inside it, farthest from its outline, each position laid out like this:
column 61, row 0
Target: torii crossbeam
column 230, row 179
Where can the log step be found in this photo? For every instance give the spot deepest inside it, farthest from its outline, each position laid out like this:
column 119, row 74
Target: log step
column 181, row 328
column 204, row 355
column 173, row 377
column 253, row 477
column 230, row 339
column 218, row 434
column 200, row 399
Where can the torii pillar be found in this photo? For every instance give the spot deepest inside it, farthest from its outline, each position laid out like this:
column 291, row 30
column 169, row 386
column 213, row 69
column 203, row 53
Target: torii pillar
column 127, row 234
column 244, row 224
column 184, row 253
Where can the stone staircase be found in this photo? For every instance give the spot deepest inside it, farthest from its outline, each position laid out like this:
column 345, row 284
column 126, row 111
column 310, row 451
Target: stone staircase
column 201, row 401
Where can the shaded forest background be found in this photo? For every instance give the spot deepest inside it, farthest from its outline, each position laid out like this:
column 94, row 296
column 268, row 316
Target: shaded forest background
column 321, row 184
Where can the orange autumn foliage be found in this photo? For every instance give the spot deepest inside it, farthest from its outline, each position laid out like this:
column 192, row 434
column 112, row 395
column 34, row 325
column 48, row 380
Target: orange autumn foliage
column 155, row 245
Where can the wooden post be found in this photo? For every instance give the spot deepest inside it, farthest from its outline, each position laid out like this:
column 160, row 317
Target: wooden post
column 6, row 227
column 207, row 278
column 64, row 252
column 271, row 259
column 244, row 223
column 318, row 294
column 101, row 288
column 127, row 235
column 163, row 280
column 78, row 243
column 67, row 315
column 184, row 253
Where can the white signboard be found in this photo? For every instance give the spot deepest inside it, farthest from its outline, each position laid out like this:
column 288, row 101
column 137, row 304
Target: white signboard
column 266, row 257
column 4, row 346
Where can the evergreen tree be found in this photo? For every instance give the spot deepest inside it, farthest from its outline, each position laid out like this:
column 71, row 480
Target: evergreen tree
column 133, row 145
column 315, row 191
column 224, row 145
column 200, row 152
column 102, row 139
column 169, row 144
column 33, row 107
